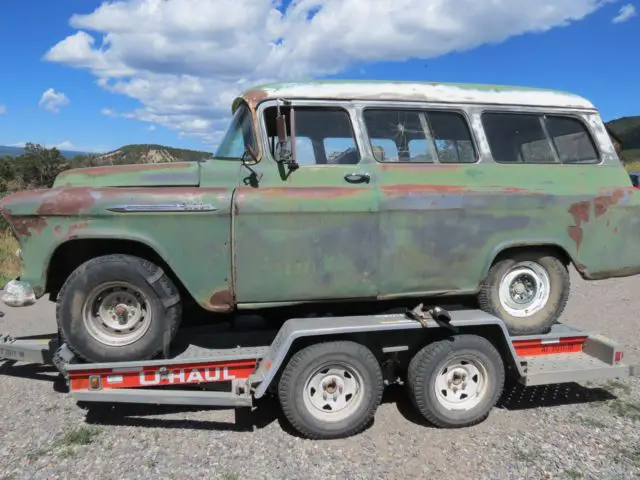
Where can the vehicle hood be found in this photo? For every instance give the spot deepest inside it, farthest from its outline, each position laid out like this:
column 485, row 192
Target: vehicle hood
column 174, row 174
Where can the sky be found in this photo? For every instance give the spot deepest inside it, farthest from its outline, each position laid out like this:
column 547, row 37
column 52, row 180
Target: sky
column 93, row 75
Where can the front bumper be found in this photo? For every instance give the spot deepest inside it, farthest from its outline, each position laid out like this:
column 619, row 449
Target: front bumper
column 17, row 293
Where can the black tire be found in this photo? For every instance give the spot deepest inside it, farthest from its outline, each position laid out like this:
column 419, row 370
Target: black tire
column 291, row 388
column 542, row 320
column 161, row 297
column 426, row 365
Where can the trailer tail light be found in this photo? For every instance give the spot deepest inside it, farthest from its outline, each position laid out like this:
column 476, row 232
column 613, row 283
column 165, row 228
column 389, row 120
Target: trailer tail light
column 617, row 357
column 94, row 382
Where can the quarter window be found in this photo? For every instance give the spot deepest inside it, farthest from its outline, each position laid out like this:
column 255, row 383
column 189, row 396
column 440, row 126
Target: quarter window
column 419, row 136
column 532, row 138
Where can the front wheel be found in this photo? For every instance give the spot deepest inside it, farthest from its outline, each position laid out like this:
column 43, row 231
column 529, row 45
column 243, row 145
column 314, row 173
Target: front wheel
column 528, row 290
column 118, row 308
column 331, row 390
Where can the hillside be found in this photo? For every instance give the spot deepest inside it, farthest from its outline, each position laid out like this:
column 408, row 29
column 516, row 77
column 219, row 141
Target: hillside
column 149, row 154
column 123, row 155
column 628, row 129
column 6, row 151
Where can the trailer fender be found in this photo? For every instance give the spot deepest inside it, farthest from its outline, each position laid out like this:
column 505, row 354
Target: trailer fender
column 465, row 321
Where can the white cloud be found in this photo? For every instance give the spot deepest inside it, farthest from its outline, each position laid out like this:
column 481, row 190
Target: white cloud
column 66, row 145
column 151, row 128
column 627, row 12
column 185, row 60
column 53, row 101
column 3, row 110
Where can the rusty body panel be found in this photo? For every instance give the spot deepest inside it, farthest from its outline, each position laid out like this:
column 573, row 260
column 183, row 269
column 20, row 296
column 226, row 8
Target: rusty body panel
column 189, row 227
column 246, row 236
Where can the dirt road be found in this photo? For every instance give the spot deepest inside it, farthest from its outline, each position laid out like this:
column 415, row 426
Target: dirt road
column 568, row 431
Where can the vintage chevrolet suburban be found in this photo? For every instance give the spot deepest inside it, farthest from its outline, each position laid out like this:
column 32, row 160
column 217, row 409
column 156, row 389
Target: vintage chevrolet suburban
column 337, row 194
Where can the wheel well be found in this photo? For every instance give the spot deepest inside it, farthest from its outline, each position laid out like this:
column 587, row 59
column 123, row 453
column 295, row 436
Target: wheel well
column 70, row 255
column 552, row 249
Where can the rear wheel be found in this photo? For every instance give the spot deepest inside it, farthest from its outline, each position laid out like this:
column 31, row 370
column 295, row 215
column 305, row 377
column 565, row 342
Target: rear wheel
column 528, row 290
column 455, row 383
column 118, row 308
column 331, row 390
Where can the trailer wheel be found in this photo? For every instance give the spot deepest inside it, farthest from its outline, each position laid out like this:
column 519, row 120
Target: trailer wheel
column 331, row 390
column 455, row 383
column 118, row 308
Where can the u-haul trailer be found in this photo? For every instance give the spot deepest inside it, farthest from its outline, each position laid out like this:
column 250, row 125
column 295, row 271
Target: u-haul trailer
column 329, row 373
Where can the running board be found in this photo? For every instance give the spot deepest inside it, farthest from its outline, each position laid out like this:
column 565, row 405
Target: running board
column 165, row 397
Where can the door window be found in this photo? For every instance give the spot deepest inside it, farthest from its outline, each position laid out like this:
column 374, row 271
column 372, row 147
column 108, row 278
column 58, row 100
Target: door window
column 324, row 135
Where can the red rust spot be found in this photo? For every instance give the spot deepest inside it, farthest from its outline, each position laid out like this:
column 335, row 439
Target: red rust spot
column 603, row 202
column 580, row 212
column 221, row 301
column 254, row 97
column 576, row 234
column 406, row 189
column 78, row 226
column 24, row 226
column 313, row 192
column 130, row 168
column 67, row 202
column 411, row 167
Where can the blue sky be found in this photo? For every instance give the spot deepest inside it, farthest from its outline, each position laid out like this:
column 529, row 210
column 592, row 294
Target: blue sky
column 169, row 68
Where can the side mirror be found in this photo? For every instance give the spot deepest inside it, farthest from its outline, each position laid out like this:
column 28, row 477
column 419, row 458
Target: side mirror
column 286, row 150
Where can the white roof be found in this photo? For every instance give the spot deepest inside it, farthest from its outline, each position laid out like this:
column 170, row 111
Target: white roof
column 422, row 91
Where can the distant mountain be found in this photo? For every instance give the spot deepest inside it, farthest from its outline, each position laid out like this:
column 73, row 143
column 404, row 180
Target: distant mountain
column 149, row 154
column 628, row 130
column 6, row 151
column 127, row 154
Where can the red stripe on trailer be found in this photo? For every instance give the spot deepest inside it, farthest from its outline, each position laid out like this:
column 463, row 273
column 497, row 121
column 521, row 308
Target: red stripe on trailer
column 527, row 348
column 179, row 374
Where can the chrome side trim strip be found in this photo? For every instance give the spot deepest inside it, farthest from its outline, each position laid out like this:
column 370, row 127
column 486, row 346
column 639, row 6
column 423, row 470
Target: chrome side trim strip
column 168, row 207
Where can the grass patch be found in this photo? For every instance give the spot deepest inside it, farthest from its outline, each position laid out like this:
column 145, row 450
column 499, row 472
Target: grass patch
column 9, row 262
column 626, row 409
column 592, row 423
column 79, row 436
column 618, row 385
column 67, row 452
column 230, row 476
column 573, row 474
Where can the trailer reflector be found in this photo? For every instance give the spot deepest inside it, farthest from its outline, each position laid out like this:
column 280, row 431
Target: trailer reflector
column 535, row 347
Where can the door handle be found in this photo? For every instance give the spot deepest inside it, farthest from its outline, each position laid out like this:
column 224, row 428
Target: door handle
column 357, row 177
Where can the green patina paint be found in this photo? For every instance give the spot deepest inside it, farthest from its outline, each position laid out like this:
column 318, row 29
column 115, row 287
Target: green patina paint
column 287, row 237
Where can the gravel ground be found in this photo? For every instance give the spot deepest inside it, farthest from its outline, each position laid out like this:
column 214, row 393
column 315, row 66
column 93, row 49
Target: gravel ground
column 569, row 431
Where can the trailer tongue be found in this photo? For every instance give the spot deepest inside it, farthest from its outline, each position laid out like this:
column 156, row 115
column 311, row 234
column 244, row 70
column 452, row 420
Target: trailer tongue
column 329, row 373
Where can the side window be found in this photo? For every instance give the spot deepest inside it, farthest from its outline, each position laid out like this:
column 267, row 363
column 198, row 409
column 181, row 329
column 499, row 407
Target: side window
column 533, row 138
column 452, row 137
column 517, row 138
column 572, row 140
column 419, row 136
column 324, row 135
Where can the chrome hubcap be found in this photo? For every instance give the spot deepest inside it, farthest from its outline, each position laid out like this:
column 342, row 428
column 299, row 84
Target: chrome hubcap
column 525, row 289
column 117, row 314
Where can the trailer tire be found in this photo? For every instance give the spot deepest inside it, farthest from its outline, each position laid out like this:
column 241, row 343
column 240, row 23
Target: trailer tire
column 149, row 305
column 339, row 375
column 470, row 364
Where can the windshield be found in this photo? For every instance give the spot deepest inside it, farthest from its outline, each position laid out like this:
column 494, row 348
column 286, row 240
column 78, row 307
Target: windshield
column 239, row 136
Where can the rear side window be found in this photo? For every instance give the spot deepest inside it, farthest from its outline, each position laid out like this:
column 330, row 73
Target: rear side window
column 419, row 136
column 533, row 138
